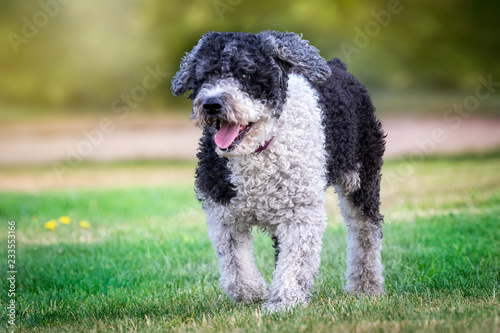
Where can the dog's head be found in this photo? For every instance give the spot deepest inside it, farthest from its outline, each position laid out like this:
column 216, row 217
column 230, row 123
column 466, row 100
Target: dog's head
column 238, row 84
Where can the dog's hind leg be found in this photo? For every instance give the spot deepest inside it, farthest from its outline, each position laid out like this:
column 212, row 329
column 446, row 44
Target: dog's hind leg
column 240, row 278
column 359, row 198
column 364, row 266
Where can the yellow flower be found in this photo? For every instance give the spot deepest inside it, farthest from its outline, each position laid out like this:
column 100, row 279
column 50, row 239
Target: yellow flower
column 64, row 220
column 85, row 224
column 51, row 224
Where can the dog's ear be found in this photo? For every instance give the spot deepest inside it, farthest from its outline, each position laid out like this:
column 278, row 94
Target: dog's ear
column 296, row 53
column 183, row 79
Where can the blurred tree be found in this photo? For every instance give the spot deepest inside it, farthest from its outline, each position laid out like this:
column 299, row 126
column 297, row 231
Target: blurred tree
column 85, row 54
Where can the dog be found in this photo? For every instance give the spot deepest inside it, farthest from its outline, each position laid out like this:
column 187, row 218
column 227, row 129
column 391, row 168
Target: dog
column 280, row 125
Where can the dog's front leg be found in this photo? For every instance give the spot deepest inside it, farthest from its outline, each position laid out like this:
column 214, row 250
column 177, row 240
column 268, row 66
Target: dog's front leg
column 299, row 246
column 240, row 278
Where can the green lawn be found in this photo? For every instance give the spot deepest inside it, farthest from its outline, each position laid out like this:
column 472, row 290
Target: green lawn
column 146, row 264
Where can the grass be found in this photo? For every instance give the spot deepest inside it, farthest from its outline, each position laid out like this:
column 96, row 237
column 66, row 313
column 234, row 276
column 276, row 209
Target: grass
column 146, row 264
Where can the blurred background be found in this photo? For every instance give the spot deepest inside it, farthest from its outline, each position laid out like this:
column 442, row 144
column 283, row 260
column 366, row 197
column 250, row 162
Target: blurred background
column 90, row 80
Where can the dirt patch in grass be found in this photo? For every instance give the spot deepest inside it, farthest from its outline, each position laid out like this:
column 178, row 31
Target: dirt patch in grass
column 62, row 146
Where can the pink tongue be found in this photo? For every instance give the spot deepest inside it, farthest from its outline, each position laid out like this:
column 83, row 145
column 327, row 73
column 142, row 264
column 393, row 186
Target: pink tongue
column 226, row 135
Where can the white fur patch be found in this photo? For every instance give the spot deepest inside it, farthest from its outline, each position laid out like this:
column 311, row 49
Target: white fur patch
column 350, row 181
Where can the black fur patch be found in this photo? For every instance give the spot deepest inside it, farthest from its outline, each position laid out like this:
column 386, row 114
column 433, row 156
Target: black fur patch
column 212, row 174
column 353, row 136
column 276, row 246
column 340, row 120
column 243, row 57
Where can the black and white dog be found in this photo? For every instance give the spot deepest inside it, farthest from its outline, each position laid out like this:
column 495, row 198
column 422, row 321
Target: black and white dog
column 280, row 125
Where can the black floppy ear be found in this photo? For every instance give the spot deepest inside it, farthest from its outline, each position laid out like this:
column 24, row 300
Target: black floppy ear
column 183, row 79
column 297, row 53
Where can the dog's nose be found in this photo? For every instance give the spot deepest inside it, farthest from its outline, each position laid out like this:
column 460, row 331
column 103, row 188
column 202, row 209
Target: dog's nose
column 212, row 105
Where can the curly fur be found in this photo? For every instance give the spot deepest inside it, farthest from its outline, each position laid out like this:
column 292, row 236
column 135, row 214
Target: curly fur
column 318, row 127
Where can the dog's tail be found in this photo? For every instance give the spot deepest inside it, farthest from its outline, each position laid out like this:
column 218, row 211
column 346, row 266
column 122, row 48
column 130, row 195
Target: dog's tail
column 336, row 62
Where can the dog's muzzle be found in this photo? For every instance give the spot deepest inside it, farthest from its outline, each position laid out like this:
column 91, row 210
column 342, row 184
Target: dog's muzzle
column 229, row 132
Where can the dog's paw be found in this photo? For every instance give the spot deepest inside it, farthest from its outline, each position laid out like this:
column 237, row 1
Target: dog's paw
column 247, row 292
column 371, row 289
column 256, row 294
column 271, row 307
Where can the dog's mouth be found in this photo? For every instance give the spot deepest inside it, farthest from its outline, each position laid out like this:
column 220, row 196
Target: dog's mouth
column 229, row 135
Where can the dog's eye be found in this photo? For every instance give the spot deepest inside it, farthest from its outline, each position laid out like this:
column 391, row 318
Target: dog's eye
column 245, row 77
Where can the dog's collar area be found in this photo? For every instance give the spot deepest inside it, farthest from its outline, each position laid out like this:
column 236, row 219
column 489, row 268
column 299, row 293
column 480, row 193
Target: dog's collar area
column 264, row 146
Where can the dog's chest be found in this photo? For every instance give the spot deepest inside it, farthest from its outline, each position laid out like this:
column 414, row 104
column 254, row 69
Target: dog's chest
column 271, row 186
column 257, row 177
